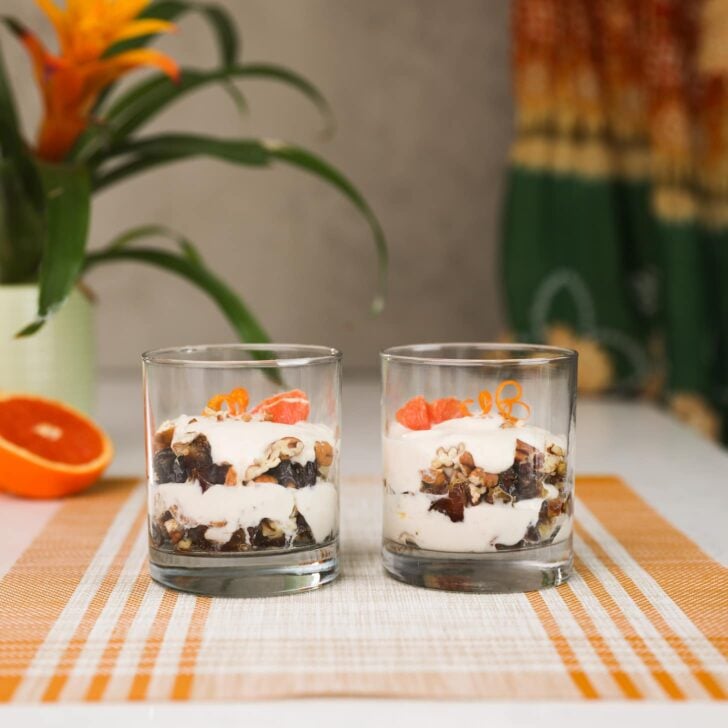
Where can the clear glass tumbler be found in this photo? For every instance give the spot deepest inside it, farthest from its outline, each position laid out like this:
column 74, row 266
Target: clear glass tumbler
column 478, row 445
column 242, row 449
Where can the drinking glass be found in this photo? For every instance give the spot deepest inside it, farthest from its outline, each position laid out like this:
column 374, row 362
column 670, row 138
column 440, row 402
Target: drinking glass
column 478, row 446
column 242, row 450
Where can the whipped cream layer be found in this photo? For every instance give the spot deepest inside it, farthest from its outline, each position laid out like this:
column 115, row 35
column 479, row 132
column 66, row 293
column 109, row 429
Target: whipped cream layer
column 244, row 506
column 241, row 443
column 407, row 514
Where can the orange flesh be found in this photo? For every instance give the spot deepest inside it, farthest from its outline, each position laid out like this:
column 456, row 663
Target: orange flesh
column 49, row 432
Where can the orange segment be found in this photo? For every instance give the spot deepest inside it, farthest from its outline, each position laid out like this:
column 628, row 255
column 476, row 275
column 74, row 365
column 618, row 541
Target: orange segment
column 447, row 408
column 48, row 449
column 415, row 414
column 285, row 407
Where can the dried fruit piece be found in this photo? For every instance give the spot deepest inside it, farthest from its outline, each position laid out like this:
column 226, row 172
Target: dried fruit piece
column 304, row 535
column 448, row 408
column 195, row 456
column 267, row 534
column 213, row 475
column 167, row 467
column 286, row 407
column 237, row 542
column 415, row 414
column 453, row 506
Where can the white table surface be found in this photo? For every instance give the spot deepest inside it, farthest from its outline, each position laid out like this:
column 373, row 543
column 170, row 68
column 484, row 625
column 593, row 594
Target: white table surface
column 683, row 476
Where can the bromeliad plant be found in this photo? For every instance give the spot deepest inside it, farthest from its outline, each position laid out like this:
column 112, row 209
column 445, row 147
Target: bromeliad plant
column 91, row 138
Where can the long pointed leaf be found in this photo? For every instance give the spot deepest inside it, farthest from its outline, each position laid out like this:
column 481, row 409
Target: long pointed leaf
column 68, row 196
column 131, row 236
column 140, row 104
column 21, row 194
column 219, row 19
column 157, row 150
column 240, row 318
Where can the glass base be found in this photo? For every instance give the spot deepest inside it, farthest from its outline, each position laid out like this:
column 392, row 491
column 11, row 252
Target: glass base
column 251, row 575
column 517, row 570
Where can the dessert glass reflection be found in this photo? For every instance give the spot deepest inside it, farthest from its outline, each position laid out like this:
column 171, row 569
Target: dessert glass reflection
column 242, row 462
column 478, row 446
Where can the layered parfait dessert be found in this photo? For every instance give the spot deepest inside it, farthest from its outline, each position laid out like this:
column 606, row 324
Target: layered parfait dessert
column 233, row 479
column 463, row 481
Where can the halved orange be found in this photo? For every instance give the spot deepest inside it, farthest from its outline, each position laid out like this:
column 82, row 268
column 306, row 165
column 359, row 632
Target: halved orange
column 48, row 449
column 286, row 407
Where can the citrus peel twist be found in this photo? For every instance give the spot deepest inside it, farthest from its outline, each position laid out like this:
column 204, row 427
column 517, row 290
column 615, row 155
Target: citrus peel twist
column 236, row 400
column 504, row 404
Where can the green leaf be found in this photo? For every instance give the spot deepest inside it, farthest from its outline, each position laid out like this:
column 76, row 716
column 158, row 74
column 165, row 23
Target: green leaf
column 68, row 195
column 220, row 21
column 241, row 319
column 127, row 238
column 154, row 151
column 146, row 99
column 21, row 228
column 21, row 194
column 217, row 16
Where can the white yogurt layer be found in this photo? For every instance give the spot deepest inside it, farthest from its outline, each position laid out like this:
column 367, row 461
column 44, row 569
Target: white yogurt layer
column 244, row 506
column 407, row 514
column 240, row 443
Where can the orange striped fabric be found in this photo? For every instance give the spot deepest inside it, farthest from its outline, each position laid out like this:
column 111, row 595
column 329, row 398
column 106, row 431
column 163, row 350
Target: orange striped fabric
column 645, row 617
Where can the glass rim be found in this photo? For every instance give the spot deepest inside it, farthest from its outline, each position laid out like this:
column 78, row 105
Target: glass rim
column 309, row 354
column 427, row 354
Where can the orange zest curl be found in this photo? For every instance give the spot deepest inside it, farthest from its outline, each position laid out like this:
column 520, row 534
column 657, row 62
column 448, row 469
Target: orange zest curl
column 237, row 401
column 485, row 401
column 504, row 404
column 71, row 81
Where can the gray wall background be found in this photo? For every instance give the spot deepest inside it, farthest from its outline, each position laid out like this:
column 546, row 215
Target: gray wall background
column 421, row 93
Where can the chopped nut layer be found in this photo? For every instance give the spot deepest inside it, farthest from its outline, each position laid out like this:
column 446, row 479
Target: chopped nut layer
column 454, row 475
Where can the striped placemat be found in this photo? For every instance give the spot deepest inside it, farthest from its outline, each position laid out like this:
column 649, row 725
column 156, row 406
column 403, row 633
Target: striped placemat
column 645, row 617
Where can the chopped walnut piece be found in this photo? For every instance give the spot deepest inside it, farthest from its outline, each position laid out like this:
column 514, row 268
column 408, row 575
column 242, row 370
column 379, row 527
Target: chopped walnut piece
column 433, row 481
column 163, row 439
column 324, row 453
column 467, row 463
column 281, row 450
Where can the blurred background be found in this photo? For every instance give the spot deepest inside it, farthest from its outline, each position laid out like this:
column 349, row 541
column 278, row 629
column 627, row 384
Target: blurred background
column 543, row 171
column 421, row 94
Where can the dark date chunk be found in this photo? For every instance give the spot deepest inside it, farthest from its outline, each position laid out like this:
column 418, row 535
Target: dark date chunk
column 167, row 467
column 237, row 542
column 213, row 475
column 453, row 506
column 304, row 535
column 195, row 455
column 267, row 534
column 294, row 475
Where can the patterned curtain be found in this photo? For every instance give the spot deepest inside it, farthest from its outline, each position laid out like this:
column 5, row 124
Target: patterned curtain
column 615, row 236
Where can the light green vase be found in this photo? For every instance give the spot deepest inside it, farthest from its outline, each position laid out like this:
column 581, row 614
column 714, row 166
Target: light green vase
column 59, row 360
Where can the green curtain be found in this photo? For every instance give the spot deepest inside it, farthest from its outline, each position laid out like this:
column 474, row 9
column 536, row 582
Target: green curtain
column 615, row 225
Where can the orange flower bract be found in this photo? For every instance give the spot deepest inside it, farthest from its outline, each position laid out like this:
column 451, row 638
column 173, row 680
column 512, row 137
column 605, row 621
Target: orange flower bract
column 71, row 81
